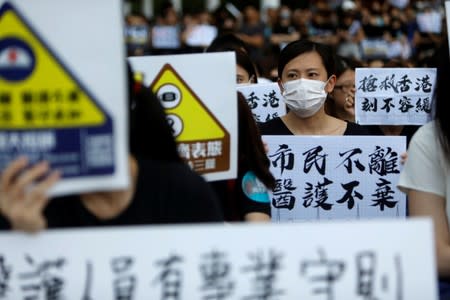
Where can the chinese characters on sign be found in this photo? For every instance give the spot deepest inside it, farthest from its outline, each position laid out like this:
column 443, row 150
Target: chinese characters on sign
column 265, row 100
column 394, row 96
column 349, row 177
column 70, row 121
column 219, row 262
column 202, row 118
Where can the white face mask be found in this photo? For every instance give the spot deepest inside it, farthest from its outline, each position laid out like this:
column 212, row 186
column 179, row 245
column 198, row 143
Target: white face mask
column 304, row 96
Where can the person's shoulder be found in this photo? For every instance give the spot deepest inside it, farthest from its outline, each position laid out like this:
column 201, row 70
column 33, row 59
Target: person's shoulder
column 425, row 134
column 356, row 129
column 177, row 176
column 157, row 168
column 182, row 194
column 272, row 127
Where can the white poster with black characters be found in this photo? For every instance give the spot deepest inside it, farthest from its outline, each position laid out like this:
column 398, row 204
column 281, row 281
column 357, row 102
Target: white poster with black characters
column 63, row 91
column 336, row 177
column 264, row 99
column 335, row 260
column 394, row 96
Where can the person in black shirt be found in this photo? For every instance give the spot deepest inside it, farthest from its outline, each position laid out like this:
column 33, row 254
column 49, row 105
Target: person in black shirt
column 163, row 189
column 306, row 73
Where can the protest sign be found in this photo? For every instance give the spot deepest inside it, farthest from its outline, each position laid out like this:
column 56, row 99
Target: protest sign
column 265, row 100
column 394, row 96
column 336, row 177
column 335, row 260
column 201, row 106
column 60, row 101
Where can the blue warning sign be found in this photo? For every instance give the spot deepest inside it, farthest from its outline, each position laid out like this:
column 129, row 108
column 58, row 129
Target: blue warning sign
column 46, row 112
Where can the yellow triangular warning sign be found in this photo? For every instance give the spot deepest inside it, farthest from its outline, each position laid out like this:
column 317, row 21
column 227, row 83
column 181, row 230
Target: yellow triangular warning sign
column 197, row 122
column 202, row 140
column 37, row 90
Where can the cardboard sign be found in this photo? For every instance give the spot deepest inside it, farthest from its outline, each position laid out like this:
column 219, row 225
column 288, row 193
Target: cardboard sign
column 265, row 100
column 336, row 177
column 59, row 103
column 394, row 96
column 202, row 114
column 337, row 260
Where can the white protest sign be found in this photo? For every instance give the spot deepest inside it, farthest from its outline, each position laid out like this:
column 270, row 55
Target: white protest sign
column 63, row 90
column 201, row 104
column 165, row 37
column 335, row 177
column 429, row 21
column 394, row 96
column 265, row 100
column 335, row 260
column 201, row 35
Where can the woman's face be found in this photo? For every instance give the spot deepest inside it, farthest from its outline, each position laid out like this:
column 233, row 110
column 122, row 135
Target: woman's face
column 242, row 75
column 308, row 65
column 345, row 85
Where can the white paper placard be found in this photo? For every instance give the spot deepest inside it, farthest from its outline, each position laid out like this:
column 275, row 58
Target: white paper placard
column 165, row 37
column 201, row 104
column 394, row 96
column 63, row 90
column 335, row 260
column 335, row 177
column 201, row 35
column 265, row 100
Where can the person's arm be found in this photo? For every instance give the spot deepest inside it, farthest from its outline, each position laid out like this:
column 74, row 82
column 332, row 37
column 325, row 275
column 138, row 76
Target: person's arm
column 425, row 204
column 24, row 194
column 257, row 217
column 256, row 40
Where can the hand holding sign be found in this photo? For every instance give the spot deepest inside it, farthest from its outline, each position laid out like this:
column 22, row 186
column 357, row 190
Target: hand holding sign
column 22, row 201
column 349, row 105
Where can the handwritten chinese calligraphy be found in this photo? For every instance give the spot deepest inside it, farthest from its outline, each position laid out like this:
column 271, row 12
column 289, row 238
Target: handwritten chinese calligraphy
column 335, row 177
column 394, row 96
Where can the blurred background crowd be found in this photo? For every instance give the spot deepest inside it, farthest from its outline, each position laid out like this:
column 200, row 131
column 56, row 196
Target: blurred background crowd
column 371, row 32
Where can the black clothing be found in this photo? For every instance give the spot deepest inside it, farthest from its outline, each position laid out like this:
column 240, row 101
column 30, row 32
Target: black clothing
column 235, row 201
column 408, row 131
column 277, row 127
column 165, row 193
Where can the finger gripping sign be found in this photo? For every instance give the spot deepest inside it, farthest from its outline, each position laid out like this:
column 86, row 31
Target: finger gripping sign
column 46, row 112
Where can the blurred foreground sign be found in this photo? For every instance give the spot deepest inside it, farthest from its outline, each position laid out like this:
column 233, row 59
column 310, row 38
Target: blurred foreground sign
column 58, row 101
column 389, row 260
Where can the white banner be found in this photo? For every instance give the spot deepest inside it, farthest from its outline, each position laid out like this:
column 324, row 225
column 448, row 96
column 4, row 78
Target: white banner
column 336, row 260
column 336, row 177
column 265, row 100
column 394, row 96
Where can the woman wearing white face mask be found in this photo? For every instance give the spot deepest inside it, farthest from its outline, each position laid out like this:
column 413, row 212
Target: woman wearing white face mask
column 306, row 76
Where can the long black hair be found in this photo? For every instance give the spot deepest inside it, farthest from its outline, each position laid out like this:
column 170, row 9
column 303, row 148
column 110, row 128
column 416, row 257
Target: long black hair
column 296, row 48
column 251, row 149
column 150, row 135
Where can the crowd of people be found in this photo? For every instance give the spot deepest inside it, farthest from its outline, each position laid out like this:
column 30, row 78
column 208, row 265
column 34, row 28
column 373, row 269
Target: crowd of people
column 312, row 52
column 371, row 32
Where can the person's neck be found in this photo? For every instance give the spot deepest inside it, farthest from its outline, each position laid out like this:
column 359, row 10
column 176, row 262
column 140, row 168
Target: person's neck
column 391, row 129
column 345, row 116
column 318, row 124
